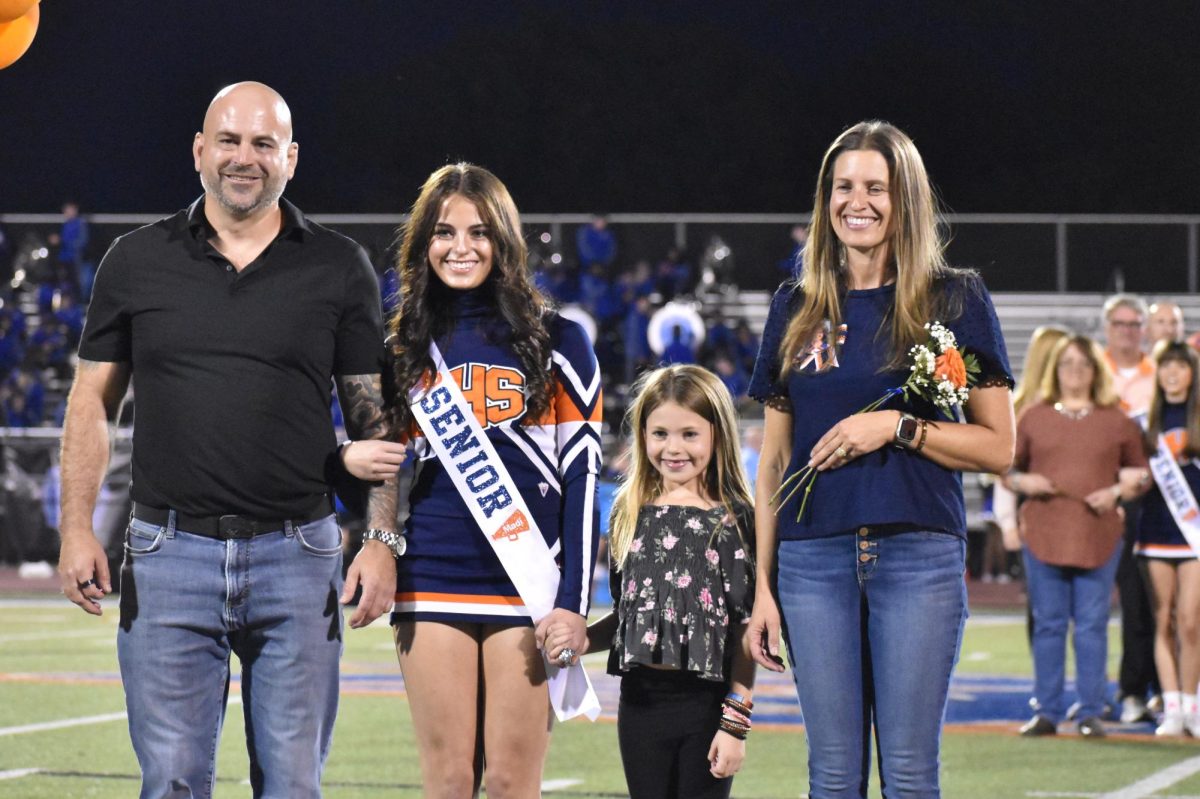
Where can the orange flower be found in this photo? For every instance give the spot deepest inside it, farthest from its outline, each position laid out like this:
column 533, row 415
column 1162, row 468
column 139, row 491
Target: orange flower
column 950, row 366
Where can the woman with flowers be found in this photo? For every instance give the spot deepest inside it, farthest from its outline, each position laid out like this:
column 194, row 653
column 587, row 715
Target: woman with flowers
column 862, row 570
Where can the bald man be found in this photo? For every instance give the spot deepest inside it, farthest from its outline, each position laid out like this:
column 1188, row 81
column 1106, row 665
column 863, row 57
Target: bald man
column 1165, row 323
column 230, row 317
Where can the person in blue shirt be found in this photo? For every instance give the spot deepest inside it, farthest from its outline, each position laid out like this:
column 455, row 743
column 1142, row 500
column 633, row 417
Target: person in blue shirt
column 867, row 586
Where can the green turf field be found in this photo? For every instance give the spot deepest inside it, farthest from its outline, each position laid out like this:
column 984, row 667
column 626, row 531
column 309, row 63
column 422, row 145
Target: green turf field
column 57, row 665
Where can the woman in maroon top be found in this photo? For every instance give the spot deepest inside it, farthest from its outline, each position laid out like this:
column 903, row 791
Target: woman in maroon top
column 1071, row 447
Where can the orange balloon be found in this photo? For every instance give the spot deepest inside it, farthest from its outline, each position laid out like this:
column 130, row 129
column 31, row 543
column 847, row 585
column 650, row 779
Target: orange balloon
column 11, row 9
column 16, row 36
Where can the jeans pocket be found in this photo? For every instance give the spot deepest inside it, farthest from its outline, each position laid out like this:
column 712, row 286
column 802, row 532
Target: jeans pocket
column 143, row 538
column 322, row 538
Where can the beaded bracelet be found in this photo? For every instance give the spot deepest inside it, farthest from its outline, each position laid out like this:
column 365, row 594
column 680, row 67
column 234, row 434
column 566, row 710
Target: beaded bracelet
column 735, row 716
column 921, row 440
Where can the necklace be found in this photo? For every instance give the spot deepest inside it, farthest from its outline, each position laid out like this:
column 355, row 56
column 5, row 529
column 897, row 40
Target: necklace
column 1073, row 413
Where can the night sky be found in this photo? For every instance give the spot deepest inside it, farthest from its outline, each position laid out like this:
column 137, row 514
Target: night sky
column 697, row 106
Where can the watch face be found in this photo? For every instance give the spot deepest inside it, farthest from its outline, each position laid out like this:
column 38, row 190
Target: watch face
column 401, row 545
column 907, row 429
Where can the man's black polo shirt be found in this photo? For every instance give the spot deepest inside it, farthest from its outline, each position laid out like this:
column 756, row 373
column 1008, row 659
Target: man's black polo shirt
column 232, row 370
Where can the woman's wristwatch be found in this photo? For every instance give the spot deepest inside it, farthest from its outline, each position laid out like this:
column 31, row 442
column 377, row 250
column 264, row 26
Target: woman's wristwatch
column 906, row 431
column 390, row 539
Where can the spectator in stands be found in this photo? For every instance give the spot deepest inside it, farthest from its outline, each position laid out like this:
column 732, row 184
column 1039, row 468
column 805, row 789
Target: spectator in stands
column 680, row 348
column 1133, row 380
column 28, row 387
column 595, row 243
column 1165, row 323
column 70, row 314
column 1071, row 446
column 732, row 375
column 673, row 275
column 745, row 345
column 72, row 241
column 1164, row 552
column 12, row 344
column 598, row 295
column 637, row 341
column 794, row 263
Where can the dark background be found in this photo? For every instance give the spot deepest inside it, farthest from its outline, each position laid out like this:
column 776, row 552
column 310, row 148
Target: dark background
column 661, row 107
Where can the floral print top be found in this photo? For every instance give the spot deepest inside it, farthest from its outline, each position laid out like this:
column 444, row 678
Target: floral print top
column 686, row 588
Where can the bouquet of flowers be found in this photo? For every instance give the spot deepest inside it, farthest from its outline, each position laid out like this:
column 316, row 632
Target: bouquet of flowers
column 938, row 372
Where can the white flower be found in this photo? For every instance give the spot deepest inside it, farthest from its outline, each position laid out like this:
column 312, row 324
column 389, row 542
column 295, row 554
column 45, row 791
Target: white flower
column 739, row 554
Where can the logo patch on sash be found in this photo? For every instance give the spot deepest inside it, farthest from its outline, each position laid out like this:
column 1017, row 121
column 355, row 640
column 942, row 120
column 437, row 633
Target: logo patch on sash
column 512, row 528
column 543, row 487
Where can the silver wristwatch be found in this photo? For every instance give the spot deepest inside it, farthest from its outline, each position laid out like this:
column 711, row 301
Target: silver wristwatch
column 392, row 540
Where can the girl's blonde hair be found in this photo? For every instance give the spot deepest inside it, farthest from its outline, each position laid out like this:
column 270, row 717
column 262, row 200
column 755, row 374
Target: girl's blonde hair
column 1037, row 358
column 1103, row 394
column 916, row 245
column 1165, row 351
column 701, row 392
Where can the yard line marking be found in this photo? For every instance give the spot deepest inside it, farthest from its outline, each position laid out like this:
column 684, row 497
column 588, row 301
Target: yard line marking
column 1157, row 781
column 17, row 773
column 555, row 785
column 51, row 636
column 81, row 721
column 61, row 724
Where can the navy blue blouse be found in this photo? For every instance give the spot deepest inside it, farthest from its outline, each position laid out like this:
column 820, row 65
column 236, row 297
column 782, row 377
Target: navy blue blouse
column 889, row 486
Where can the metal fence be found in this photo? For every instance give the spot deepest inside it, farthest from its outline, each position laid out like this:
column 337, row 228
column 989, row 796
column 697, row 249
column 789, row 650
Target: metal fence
column 1148, row 253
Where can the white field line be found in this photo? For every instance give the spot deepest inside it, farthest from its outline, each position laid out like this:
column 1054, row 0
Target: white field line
column 51, row 636
column 80, row 721
column 17, row 773
column 549, row 786
column 1157, row 781
column 60, row 724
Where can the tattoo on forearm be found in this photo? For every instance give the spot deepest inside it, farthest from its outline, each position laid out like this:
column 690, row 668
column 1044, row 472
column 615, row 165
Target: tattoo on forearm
column 362, row 406
column 381, row 504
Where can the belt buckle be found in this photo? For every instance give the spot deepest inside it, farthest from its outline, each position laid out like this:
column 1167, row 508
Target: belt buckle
column 233, row 526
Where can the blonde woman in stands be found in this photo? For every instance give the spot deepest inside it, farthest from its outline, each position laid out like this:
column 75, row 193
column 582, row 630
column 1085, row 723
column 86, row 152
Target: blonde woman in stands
column 1037, row 357
column 1071, row 447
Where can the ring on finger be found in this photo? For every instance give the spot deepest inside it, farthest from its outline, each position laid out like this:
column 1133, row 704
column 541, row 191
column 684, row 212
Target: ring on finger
column 841, row 453
column 566, row 656
column 88, row 583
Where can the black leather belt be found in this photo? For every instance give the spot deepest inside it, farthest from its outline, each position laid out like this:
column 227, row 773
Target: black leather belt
column 225, row 527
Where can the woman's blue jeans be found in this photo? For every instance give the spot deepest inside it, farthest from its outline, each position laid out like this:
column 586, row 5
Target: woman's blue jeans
column 873, row 622
column 1058, row 595
column 187, row 602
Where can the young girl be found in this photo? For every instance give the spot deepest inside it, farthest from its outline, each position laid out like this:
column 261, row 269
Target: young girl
column 682, row 584
column 1168, row 562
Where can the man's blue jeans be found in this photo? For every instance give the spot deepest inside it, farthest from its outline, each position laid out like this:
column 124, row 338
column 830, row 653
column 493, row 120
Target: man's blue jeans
column 186, row 603
column 873, row 623
column 1058, row 595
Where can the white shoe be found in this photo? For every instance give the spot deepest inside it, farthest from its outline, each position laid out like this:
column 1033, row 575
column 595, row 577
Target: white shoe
column 1191, row 725
column 1133, row 710
column 1172, row 725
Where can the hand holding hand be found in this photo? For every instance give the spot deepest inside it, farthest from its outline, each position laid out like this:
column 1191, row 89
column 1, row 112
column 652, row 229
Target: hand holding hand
column 561, row 629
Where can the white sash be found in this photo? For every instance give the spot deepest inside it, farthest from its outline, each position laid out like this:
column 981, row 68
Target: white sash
column 503, row 517
column 1178, row 494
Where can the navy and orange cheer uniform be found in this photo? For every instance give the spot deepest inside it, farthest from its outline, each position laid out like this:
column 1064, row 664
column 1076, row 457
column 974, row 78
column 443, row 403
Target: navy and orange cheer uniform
column 1158, row 534
column 449, row 571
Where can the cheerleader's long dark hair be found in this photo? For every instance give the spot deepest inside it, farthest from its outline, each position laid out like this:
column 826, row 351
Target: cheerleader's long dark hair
column 422, row 314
